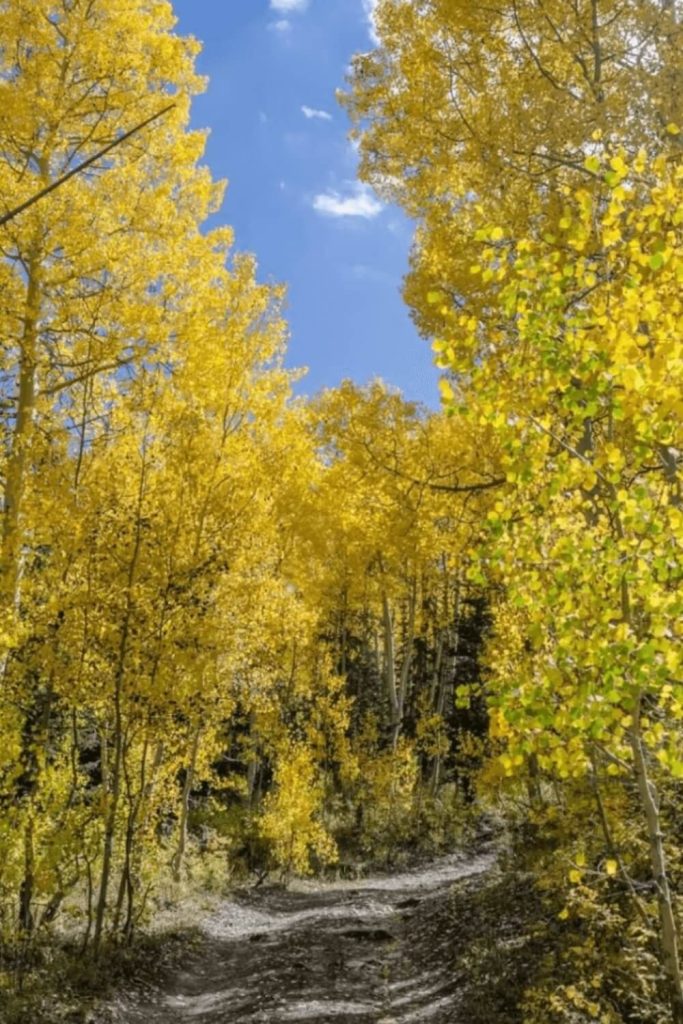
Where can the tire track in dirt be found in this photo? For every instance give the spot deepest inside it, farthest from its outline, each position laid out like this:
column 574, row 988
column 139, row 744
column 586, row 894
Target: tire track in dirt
column 362, row 952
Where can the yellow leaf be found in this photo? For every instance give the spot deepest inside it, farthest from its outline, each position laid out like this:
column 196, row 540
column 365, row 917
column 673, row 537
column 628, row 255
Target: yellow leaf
column 446, row 390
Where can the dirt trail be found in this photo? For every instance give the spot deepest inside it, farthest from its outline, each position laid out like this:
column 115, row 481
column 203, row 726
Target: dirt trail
column 366, row 952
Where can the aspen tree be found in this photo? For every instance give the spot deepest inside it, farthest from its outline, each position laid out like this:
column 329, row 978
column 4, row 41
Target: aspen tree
column 538, row 146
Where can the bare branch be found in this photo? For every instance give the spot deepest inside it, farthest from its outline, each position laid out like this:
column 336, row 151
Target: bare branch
column 81, row 167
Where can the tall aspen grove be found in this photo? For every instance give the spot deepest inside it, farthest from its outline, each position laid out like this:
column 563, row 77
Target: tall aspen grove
column 328, row 702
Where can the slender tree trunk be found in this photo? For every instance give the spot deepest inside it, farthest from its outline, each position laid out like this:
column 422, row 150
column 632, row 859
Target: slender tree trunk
column 448, row 680
column 18, row 461
column 125, row 894
column 390, row 671
column 437, row 701
column 109, row 830
column 185, row 807
column 253, row 764
column 26, row 920
column 116, row 767
column 343, row 634
column 150, row 783
column 126, row 885
column 139, row 823
column 668, row 932
column 649, row 801
column 90, row 904
column 435, row 688
column 533, row 784
column 407, row 663
column 612, row 848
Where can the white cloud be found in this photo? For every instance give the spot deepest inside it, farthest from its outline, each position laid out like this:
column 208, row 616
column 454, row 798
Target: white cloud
column 360, row 202
column 310, row 113
column 364, row 272
column 288, row 6
column 280, row 26
column 369, row 8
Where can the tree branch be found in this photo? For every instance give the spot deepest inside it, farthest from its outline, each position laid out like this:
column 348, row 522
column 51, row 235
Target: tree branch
column 82, row 166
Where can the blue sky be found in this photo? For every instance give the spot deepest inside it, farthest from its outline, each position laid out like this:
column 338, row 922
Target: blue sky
column 280, row 139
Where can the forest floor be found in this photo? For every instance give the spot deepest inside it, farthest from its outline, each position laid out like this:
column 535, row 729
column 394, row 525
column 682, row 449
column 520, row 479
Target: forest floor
column 452, row 941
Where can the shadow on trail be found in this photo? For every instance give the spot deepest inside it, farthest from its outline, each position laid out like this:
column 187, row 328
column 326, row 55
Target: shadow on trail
column 369, row 952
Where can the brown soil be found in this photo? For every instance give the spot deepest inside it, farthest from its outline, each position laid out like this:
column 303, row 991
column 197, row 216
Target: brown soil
column 386, row 950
